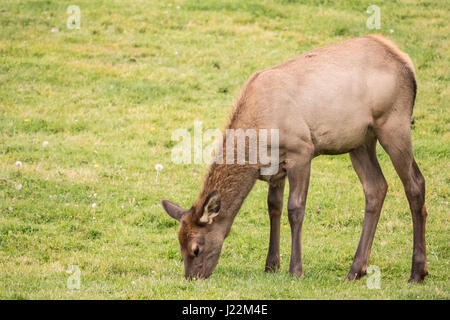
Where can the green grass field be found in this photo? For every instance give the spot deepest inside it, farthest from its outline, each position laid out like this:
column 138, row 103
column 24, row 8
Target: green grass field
column 107, row 98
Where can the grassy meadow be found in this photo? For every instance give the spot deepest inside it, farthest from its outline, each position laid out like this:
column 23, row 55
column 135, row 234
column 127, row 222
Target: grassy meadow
column 86, row 114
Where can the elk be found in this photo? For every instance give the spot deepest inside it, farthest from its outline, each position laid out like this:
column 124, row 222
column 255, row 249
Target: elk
column 337, row 99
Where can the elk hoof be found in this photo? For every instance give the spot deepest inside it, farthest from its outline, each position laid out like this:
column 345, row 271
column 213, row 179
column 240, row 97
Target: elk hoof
column 419, row 271
column 417, row 276
column 273, row 266
column 297, row 273
column 355, row 275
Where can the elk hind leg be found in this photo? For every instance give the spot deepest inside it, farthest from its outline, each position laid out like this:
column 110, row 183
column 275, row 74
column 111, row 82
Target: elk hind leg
column 395, row 137
column 374, row 184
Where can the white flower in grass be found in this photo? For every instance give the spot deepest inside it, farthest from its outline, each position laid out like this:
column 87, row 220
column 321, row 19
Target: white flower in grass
column 158, row 168
column 391, row 30
column 19, row 164
column 44, row 144
column 18, row 186
column 94, row 205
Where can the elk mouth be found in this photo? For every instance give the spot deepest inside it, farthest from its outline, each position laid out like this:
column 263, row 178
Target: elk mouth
column 199, row 273
column 204, row 268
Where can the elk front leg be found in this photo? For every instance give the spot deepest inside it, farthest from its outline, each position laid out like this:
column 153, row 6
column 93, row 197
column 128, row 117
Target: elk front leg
column 298, row 176
column 275, row 205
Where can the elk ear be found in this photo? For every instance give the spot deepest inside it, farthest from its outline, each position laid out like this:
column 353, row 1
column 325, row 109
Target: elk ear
column 174, row 210
column 211, row 207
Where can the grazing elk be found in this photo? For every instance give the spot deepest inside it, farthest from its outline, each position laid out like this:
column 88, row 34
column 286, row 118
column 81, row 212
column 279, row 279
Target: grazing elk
column 333, row 100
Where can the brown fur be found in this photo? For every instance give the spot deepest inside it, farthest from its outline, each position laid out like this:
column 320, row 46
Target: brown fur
column 402, row 57
column 337, row 99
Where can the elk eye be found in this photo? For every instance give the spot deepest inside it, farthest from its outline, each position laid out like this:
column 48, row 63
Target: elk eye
column 196, row 250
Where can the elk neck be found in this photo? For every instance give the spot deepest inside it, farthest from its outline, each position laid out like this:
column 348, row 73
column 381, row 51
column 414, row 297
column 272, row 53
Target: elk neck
column 233, row 182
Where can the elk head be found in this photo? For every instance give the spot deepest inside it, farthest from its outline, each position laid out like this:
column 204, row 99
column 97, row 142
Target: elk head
column 201, row 235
